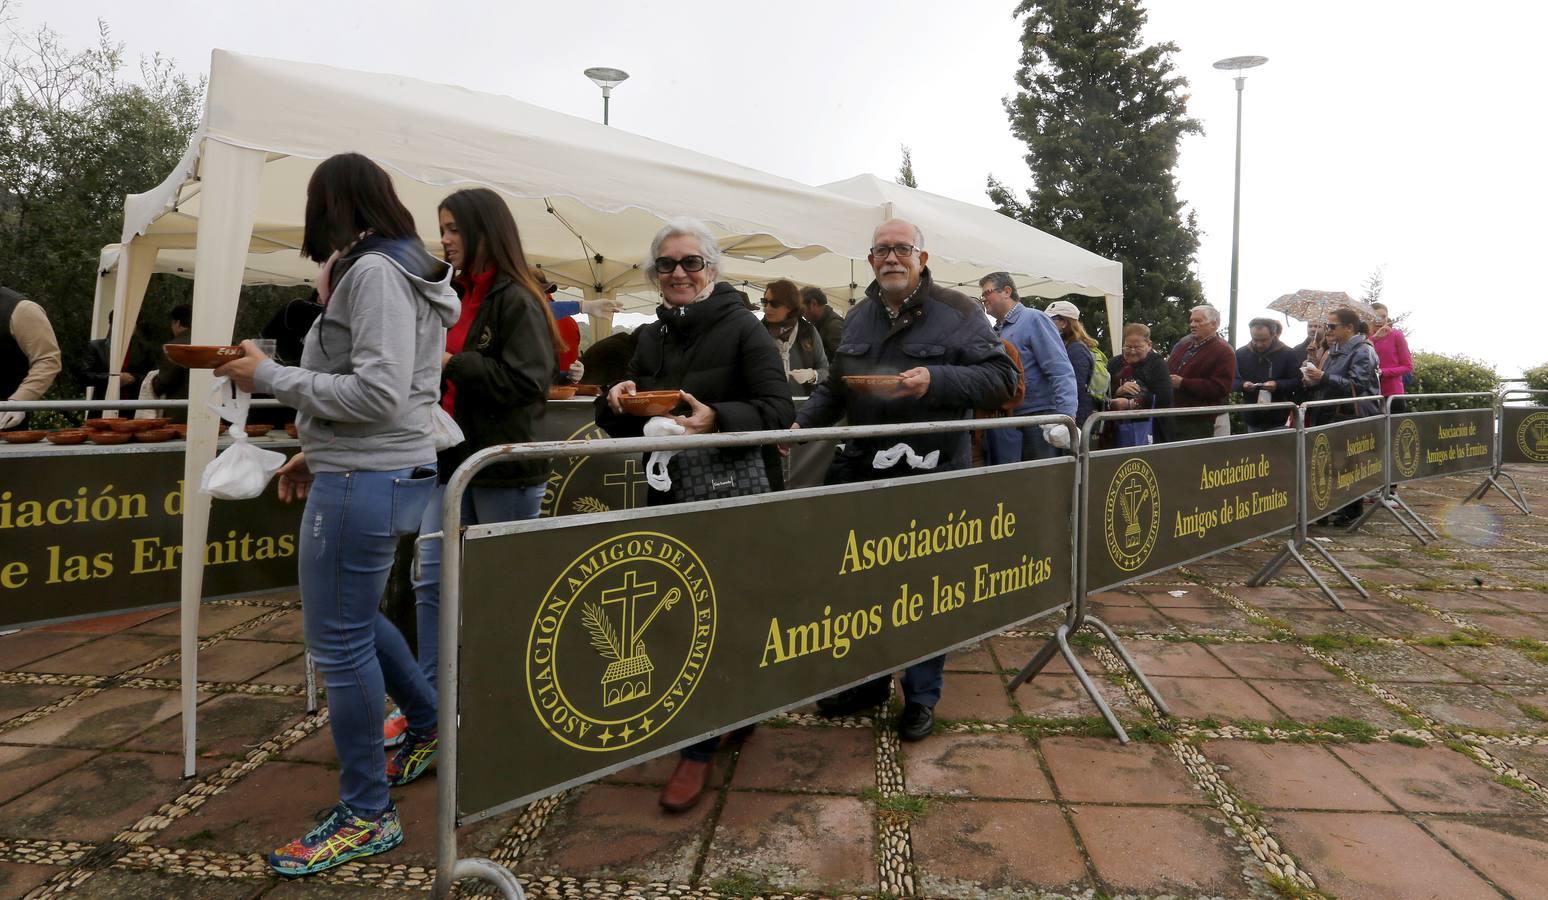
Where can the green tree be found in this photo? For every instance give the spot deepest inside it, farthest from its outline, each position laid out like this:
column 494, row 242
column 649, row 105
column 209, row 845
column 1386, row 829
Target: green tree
column 76, row 136
column 906, row 170
column 1102, row 113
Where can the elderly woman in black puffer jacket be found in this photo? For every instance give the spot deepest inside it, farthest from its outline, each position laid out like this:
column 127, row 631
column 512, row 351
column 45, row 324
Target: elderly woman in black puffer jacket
column 706, row 343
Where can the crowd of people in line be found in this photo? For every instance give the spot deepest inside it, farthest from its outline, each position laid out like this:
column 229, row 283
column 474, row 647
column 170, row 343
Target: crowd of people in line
column 393, row 333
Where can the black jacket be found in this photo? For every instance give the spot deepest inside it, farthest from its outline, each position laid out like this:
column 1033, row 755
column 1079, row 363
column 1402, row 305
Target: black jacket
column 720, row 353
column 937, row 328
column 1277, row 364
column 502, row 377
column 1154, row 380
column 831, row 326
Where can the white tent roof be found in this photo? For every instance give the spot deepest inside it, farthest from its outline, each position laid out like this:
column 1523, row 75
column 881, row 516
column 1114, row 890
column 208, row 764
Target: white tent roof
column 580, row 190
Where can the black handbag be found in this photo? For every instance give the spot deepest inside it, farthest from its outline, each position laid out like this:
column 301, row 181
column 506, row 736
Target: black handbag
column 715, row 473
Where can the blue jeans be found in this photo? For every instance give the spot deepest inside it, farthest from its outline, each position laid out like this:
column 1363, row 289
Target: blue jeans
column 480, row 506
column 349, row 532
column 1010, row 445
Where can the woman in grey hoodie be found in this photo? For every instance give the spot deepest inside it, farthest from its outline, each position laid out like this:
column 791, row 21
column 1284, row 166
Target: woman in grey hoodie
column 370, row 372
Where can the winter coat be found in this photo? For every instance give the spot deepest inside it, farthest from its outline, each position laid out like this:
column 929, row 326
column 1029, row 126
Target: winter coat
column 502, row 377
column 806, row 352
column 1154, row 380
column 720, row 353
column 1351, row 370
column 1083, row 361
column 831, row 326
column 1396, row 362
column 936, row 328
column 1277, row 364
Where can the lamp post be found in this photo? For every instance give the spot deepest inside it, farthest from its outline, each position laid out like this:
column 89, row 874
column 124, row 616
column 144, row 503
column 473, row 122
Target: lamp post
column 1237, row 64
column 606, row 79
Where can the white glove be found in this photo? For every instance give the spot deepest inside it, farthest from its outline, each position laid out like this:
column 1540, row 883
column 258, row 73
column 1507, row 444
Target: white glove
column 1057, row 436
column 804, row 376
column 601, row 307
column 576, row 372
column 11, row 419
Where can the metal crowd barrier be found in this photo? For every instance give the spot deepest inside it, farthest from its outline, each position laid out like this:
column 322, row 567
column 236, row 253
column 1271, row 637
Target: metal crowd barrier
column 1390, row 499
column 449, row 866
column 1294, row 549
column 1527, row 440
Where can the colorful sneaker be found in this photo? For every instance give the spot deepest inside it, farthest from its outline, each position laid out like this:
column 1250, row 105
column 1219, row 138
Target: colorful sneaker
column 395, row 729
column 413, row 758
column 339, row 838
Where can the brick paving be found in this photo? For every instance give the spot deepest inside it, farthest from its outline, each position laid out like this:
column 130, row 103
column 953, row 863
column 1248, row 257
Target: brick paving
column 1399, row 750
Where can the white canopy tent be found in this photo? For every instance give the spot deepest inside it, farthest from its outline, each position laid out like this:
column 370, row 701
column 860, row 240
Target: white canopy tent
column 586, row 198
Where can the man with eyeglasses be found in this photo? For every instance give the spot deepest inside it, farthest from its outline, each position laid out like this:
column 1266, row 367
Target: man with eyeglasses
column 1051, row 382
column 951, row 364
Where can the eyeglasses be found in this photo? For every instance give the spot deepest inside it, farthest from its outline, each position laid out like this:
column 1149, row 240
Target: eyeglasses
column 1333, row 325
column 904, row 251
column 765, row 302
column 666, row 264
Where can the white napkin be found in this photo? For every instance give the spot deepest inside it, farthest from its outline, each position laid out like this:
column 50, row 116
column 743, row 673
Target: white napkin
column 656, row 466
column 886, row 459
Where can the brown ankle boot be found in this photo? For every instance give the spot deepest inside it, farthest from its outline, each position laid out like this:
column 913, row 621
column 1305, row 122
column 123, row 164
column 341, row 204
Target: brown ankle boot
column 686, row 786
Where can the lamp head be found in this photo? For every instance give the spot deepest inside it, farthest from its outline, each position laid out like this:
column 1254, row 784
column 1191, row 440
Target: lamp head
column 606, row 78
column 1238, row 63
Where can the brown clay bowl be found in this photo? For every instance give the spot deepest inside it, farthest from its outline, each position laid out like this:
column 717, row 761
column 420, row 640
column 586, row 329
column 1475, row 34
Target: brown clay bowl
column 22, row 437
column 257, row 430
column 177, row 430
column 130, row 426
column 201, row 356
column 290, row 429
column 561, row 392
column 876, row 385
column 155, row 435
column 109, row 437
column 98, row 424
column 67, row 436
column 159, row 422
column 650, row 403
column 588, row 390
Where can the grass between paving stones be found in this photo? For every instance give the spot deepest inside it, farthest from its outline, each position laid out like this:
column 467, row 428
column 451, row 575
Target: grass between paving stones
column 1537, row 651
column 1334, row 729
column 900, row 809
column 1289, row 887
column 1407, row 740
column 1455, row 639
column 743, row 884
column 1516, row 783
column 1535, row 712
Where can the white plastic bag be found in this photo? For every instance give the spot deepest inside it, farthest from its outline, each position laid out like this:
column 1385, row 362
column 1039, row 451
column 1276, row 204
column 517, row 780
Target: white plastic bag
column 444, row 431
column 656, row 474
column 242, row 470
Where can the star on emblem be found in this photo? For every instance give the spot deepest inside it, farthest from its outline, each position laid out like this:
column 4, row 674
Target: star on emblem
column 645, row 724
column 606, row 736
column 628, row 732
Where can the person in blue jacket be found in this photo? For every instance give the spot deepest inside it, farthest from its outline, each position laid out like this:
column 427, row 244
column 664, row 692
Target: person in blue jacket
column 1051, row 388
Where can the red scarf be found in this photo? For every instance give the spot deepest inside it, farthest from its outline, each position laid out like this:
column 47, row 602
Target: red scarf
column 473, row 289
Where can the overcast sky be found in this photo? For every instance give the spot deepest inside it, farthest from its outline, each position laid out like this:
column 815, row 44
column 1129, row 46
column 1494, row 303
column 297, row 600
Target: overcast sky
column 1387, row 134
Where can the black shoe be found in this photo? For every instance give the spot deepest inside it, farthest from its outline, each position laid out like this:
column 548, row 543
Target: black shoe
column 916, row 723
column 852, row 700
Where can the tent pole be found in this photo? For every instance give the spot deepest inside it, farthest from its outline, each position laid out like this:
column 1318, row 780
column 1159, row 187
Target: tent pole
column 230, row 177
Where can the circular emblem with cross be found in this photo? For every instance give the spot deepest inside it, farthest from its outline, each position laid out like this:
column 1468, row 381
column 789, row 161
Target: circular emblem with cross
column 621, row 640
column 1132, row 514
column 1405, row 448
column 594, row 484
column 1320, row 471
column 1532, row 437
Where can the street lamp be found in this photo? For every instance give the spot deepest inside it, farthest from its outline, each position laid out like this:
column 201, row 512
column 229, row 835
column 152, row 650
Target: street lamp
column 606, row 79
column 1237, row 64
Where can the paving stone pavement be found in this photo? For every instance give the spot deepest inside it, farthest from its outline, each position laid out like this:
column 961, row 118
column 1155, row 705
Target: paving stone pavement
column 1399, row 749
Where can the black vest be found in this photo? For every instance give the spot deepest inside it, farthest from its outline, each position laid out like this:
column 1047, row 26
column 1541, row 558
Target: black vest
column 13, row 362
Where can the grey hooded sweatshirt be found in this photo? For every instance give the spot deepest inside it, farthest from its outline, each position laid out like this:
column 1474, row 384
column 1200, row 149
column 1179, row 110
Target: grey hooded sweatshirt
column 371, row 366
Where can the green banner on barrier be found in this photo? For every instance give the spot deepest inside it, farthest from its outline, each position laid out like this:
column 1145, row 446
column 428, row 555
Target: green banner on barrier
column 1152, row 508
column 84, row 533
column 624, row 637
column 1344, row 462
column 1441, row 443
column 1524, row 430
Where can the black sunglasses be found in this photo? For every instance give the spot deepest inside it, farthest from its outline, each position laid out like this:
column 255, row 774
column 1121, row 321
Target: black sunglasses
column 665, row 264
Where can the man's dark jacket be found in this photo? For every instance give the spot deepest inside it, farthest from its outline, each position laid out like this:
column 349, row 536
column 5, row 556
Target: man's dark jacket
column 502, row 377
column 937, row 328
column 1277, row 364
column 721, row 354
column 831, row 326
